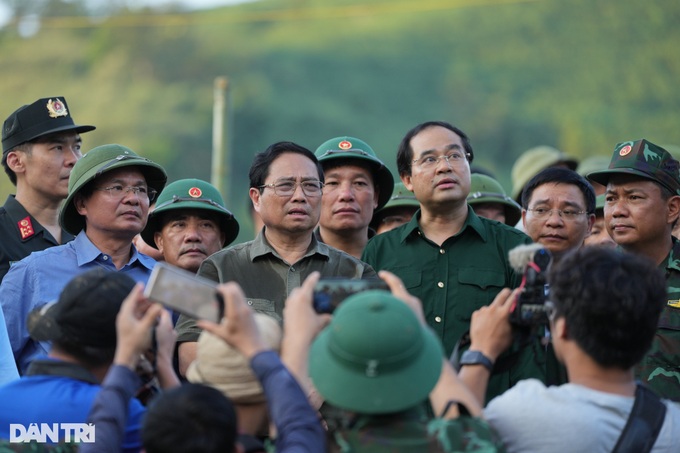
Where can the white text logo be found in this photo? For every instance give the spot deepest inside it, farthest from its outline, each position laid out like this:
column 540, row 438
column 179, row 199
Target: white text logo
column 52, row 432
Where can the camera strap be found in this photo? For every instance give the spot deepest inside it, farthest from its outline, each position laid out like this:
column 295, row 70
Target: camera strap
column 644, row 423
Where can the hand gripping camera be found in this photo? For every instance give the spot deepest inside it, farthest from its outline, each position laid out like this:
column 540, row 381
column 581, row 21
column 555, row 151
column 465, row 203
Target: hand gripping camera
column 529, row 309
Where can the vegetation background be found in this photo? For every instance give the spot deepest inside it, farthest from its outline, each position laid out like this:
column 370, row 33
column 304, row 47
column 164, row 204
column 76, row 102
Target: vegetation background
column 580, row 75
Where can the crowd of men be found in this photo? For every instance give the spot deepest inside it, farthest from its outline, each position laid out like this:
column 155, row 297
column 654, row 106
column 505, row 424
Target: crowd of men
column 465, row 340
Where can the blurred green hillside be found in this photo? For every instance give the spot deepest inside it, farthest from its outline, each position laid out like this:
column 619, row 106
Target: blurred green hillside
column 580, row 75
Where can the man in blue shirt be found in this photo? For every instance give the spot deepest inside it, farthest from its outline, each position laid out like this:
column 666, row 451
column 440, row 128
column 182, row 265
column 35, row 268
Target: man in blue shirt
column 110, row 189
column 59, row 390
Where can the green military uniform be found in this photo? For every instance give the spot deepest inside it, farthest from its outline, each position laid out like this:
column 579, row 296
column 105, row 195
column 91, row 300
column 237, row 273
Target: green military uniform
column 453, row 280
column 266, row 279
column 660, row 368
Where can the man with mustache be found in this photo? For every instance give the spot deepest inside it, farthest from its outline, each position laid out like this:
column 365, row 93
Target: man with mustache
column 286, row 183
column 110, row 189
column 642, row 205
column 451, row 259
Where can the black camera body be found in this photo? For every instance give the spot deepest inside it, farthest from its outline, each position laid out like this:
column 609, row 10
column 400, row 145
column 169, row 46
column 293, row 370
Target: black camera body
column 530, row 309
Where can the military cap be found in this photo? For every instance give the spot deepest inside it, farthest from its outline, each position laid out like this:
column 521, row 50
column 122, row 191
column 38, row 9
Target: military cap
column 591, row 164
column 375, row 356
column 353, row 148
column 44, row 116
column 533, row 161
column 191, row 194
column 96, row 162
column 485, row 189
column 644, row 159
column 401, row 198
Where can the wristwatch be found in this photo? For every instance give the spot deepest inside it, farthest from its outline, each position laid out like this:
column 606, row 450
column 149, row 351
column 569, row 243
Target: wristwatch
column 476, row 358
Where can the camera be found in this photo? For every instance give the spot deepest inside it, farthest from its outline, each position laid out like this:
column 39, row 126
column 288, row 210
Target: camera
column 529, row 309
column 330, row 292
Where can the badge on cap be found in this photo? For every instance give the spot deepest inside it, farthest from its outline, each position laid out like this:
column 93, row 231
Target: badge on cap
column 344, row 144
column 195, row 192
column 26, row 228
column 625, row 150
column 56, row 108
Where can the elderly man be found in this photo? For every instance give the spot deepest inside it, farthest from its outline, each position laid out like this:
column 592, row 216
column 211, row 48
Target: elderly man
column 447, row 256
column 110, row 189
column 286, row 181
column 189, row 223
column 642, row 204
column 40, row 146
column 356, row 184
column 558, row 209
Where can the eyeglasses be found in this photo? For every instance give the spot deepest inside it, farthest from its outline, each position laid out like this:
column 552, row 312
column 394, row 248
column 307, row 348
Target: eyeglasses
column 117, row 192
column 429, row 161
column 287, row 188
column 568, row 214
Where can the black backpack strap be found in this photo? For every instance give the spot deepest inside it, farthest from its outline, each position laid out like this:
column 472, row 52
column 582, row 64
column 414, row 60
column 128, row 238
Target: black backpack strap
column 644, row 423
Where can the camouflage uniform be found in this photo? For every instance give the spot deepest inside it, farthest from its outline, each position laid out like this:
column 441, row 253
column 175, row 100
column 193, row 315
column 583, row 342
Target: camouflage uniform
column 660, row 368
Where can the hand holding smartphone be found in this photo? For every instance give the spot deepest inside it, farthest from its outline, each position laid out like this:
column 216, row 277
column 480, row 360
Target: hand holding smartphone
column 184, row 292
column 330, row 292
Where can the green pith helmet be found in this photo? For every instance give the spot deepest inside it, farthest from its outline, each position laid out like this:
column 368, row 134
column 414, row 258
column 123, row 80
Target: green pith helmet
column 531, row 162
column 401, row 197
column 191, row 194
column 353, row 148
column 375, row 357
column 644, row 159
column 485, row 189
column 100, row 160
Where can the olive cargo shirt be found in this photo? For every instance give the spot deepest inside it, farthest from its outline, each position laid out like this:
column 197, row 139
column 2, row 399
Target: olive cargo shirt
column 660, row 368
column 452, row 281
column 266, row 279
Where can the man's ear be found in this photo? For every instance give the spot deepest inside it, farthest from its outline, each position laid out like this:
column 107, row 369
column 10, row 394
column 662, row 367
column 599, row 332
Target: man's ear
column 673, row 208
column 79, row 203
column 158, row 239
column 560, row 329
column 255, row 195
column 15, row 161
column 406, row 179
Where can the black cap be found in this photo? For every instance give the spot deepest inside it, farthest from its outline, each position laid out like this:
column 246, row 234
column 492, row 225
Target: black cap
column 44, row 116
column 85, row 312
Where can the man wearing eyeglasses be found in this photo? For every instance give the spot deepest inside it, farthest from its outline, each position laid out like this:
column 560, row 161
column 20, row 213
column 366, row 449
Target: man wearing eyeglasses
column 286, row 183
column 109, row 192
column 451, row 259
column 558, row 209
column 356, row 184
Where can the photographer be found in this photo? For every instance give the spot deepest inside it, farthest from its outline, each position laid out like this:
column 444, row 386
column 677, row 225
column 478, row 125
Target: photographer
column 603, row 310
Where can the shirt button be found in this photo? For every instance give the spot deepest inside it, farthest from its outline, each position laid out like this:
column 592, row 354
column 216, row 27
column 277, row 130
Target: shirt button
column 440, row 284
column 442, row 251
column 438, row 319
column 105, row 258
column 292, row 269
column 250, row 302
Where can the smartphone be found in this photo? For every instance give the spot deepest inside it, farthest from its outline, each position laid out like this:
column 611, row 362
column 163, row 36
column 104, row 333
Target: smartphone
column 185, row 292
column 330, row 292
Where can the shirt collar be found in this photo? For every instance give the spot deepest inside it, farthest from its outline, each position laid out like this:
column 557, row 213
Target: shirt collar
column 87, row 252
column 261, row 247
column 472, row 221
column 54, row 367
column 673, row 260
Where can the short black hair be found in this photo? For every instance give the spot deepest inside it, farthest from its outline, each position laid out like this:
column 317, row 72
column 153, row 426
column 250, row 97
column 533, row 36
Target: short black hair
column 259, row 170
column 611, row 301
column 559, row 175
column 405, row 152
column 190, row 418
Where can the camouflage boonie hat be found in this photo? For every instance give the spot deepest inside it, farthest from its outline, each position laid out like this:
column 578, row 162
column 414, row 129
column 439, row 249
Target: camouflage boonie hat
column 92, row 165
column 644, row 159
column 353, row 148
column 485, row 189
column 532, row 161
column 375, row 357
column 191, row 194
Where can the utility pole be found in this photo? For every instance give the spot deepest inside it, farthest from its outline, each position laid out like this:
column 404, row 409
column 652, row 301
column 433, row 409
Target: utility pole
column 221, row 168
